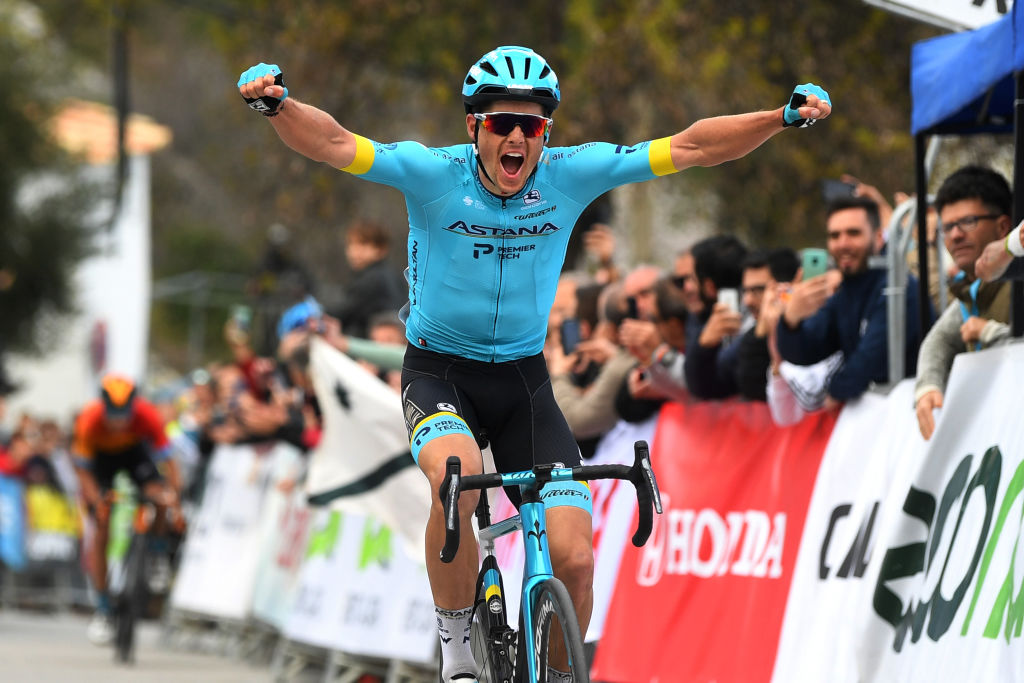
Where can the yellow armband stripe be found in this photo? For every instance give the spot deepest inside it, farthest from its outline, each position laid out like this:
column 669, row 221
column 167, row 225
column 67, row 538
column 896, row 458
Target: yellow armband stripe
column 660, row 156
column 364, row 156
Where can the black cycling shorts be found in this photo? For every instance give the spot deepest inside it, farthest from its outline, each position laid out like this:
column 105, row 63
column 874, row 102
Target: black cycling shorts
column 136, row 461
column 509, row 405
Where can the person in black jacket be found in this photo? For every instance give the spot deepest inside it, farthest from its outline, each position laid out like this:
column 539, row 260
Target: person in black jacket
column 853, row 320
column 375, row 286
column 710, row 364
column 762, row 271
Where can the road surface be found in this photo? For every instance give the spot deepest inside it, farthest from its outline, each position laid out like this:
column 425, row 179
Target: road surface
column 45, row 648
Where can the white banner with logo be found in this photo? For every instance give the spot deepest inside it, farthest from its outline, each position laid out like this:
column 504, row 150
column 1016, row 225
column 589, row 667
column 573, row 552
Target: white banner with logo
column 909, row 568
column 362, row 463
column 360, row 593
column 614, row 514
column 278, row 573
column 229, row 537
column 952, row 14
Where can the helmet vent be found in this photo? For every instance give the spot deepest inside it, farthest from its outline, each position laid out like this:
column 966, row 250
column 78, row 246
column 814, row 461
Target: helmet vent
column 511, row 67
column 527, row 74
column 470, row 80
column 486, row 66
column 544, row 72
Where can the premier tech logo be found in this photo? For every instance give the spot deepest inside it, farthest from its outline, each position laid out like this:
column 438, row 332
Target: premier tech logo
column 962, row 565
column 705, row 543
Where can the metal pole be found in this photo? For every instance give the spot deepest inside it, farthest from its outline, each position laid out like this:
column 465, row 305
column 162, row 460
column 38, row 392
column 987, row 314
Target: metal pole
column 921, row 181
column 119, row 49
column 1017, row 287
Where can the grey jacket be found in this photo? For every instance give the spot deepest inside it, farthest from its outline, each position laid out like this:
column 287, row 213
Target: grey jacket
column 943, row 342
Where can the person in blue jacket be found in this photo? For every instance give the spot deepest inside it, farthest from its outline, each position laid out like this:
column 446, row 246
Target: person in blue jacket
column 853, row 320
column 489, row 222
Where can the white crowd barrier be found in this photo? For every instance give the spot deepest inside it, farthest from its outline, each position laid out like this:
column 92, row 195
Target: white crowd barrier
column 841, row 550
column 855, row 554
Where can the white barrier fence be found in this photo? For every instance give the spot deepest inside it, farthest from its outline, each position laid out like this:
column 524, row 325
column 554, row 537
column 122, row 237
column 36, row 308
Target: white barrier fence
column 907, row 564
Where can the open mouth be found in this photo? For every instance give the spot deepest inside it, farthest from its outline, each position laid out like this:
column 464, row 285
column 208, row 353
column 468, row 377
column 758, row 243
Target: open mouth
column 511, row 163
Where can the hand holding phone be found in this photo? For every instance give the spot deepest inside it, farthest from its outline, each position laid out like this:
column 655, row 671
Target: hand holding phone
column 814, row 262
column 730, row 298
column 632, row 311
column 570, row 331
column 831, row 189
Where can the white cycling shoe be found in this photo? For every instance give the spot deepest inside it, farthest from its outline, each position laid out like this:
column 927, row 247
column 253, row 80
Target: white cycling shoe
column 100, row 630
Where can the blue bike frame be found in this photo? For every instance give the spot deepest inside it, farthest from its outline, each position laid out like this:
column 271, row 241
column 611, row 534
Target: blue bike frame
column 537, row 567
column 531, row 520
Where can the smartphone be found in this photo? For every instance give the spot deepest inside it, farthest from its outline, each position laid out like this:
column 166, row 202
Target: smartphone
column 731, row 298
column 631, row 308
column 242, row 315
column 832, row 189
column 814, row 262
column 570, row 335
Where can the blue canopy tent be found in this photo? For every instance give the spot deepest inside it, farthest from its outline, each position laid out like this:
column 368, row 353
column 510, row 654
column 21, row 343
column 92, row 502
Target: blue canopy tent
column 967, row 83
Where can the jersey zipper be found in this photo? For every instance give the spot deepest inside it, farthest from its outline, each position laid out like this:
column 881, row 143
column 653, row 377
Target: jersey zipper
column 501, row 273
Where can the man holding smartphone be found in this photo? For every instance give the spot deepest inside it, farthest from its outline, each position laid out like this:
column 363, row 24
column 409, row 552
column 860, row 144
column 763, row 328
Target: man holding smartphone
column 710, row 364
column 814, row 325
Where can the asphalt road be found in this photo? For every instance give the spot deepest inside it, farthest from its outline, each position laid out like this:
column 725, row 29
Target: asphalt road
column 46, row 648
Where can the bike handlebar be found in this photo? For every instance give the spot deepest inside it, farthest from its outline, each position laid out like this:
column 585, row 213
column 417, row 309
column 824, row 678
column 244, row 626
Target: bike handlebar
column 640, row 474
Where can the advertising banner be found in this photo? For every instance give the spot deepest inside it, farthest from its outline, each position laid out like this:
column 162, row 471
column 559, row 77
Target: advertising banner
column 874, row 451
column 713, row 580
column 360, row 593
column 53, row 525
column 362, row 463
column 952, row 14
column 12, row 523
column 286, row 517
column 946, row 602
column 218, row 569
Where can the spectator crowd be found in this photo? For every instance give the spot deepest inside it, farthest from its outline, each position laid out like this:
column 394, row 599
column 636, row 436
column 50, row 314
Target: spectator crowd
column 800, row 330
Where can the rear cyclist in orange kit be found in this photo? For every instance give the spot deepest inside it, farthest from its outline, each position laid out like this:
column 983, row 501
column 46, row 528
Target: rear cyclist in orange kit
column 118, row 431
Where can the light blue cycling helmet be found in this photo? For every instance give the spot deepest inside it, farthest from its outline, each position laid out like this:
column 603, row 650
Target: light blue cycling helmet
column 298, row 316
column 511, row 73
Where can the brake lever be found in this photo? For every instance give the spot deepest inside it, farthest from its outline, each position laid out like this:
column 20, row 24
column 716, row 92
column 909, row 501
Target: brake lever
column 449, row 495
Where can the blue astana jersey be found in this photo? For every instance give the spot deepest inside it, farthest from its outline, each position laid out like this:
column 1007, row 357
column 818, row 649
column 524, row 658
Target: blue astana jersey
column 483, row 269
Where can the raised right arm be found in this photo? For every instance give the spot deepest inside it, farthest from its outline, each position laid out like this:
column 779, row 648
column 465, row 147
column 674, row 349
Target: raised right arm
column 314, row 133
column 309, row 131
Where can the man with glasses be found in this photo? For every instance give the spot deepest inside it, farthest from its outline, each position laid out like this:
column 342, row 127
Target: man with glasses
column 489, row 222
column 974, row 206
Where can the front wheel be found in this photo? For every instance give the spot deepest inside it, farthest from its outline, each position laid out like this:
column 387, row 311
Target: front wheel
column 130, row 601
column 556, row 635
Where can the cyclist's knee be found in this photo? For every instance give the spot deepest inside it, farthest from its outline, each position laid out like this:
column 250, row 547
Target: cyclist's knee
column 433, row 459
column 573, row 563
column 572, row 550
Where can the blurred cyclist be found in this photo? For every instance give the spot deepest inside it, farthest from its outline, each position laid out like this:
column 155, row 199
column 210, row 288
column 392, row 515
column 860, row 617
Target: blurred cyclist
column 489, row 223
column 119, row 431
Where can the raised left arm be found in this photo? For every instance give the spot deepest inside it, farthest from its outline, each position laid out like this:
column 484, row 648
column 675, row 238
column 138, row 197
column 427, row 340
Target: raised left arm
column 713, row 141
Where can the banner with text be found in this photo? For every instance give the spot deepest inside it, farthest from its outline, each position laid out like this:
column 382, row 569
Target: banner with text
column 360, row 593
column 713, row 579
column 234, row 526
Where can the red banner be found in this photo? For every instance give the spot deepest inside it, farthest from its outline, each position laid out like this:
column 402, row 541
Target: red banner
column 704, row 599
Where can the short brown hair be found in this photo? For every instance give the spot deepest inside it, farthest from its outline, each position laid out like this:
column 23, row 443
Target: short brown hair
column 371, row 232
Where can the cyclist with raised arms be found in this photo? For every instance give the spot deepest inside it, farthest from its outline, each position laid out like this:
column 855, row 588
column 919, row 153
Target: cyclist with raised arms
column 119, row 431
column 489, row 222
